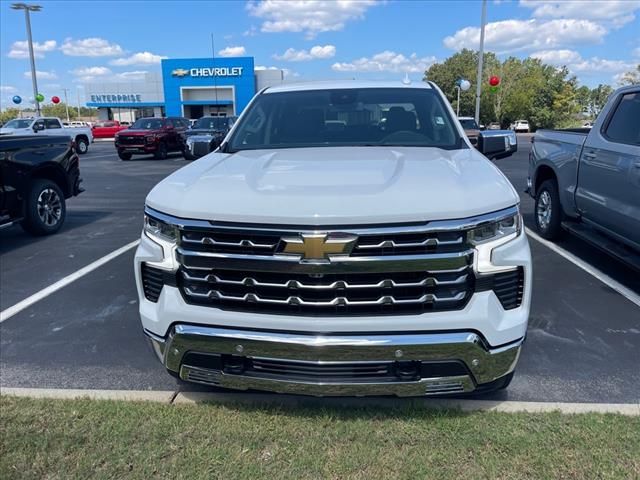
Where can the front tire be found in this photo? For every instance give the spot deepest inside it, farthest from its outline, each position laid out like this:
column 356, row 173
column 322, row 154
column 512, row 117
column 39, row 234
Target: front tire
column 124, row 156
column 548, row 210
column 45, row 209
column 82, row 145
column 161, row 152
column 188, row 155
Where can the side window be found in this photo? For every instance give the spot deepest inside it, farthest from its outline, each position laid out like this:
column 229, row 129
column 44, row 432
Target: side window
column 623, row 126
column 51, row 123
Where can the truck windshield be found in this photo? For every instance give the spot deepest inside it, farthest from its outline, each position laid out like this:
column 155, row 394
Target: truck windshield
column 212, row 123
column 18, row 123
column 148, row 124
column 413, row 117
column 469, row 124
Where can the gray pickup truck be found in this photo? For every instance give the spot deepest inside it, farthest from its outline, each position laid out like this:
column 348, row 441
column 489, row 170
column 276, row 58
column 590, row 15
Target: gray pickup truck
column 587, row 181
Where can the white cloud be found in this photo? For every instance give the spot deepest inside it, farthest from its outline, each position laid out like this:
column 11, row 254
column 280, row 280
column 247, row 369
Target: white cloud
column 251, row 32
column 319, row 51
column 237, row 51
column 42, row 75
column 90, row 47
column 583, row 66
column 51, row 86
column 308, row 16
column 636, row 52
column 21, row 49
column 596, row 65
column 387, row 61
column 134, row 75
column 616, row 12
column 7, row 89
column 514, row 35
column 140, row 58
column 557, row 57
column 89, row 74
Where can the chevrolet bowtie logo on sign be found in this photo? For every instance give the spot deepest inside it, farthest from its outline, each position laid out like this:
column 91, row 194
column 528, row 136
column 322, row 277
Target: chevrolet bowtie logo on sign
column 317, row 246
column 180, row 72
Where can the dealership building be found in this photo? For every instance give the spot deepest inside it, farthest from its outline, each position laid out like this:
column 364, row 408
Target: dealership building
column 189, row 87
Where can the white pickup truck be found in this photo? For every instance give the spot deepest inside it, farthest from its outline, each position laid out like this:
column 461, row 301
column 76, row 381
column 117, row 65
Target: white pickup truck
column 345, row 239
column 82, row 136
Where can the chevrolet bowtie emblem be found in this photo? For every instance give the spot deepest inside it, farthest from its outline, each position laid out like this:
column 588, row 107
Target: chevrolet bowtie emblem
column 180, row 72
column 318, row 246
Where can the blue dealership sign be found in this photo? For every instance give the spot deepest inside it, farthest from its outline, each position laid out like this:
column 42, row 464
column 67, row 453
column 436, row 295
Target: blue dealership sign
column 179, row 75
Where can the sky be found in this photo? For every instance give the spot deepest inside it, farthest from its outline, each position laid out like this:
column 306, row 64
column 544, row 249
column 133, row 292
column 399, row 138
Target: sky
column 84, row 41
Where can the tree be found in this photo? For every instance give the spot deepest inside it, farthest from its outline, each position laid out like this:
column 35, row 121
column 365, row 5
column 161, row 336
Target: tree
column 598, row 98
column 9, row 114
column 630, row 78
column 543, row 94
column 464, row 64
column 583, row 98
column 58, row 110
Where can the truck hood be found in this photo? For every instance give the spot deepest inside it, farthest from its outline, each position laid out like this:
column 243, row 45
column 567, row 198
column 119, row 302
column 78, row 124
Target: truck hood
column 14, row 131
column 335, row 186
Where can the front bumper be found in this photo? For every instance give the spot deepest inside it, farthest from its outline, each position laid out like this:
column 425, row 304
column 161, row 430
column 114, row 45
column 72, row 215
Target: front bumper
column 425, row 363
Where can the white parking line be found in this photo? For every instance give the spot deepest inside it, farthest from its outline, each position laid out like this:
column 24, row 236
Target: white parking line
column 63, row 282
column 590, row 269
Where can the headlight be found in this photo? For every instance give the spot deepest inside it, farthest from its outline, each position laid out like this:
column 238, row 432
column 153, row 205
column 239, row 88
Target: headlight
column 495, row 230
column 160, row 230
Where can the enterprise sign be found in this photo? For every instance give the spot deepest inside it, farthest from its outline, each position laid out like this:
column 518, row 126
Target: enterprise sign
column 209, row 72
column 119, row 98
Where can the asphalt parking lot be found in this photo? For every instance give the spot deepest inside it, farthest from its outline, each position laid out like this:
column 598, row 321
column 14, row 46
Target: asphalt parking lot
column 583, row 342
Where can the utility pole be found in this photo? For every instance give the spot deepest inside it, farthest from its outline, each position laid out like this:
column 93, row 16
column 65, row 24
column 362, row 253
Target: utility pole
column 483, row 22
column 66, row 102
column 27, row 9
column 78, row 93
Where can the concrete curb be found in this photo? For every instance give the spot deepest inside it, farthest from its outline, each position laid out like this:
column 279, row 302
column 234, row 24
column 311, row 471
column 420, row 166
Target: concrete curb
column 170, row 397
column 67, row 394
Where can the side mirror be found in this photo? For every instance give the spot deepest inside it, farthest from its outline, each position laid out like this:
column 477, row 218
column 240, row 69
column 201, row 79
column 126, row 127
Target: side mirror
column 496, row 144
column 38, row 127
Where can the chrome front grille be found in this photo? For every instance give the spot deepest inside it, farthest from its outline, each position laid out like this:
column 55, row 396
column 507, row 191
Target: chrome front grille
column 385, row 242
column 328, row 294
column 334, row 271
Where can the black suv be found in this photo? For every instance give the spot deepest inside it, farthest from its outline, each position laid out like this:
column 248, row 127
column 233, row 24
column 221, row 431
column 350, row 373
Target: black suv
column 206, row 135
column 156, row 136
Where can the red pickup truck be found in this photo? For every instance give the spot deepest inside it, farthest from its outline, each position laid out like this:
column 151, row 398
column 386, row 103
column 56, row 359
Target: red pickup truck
column 107, row 129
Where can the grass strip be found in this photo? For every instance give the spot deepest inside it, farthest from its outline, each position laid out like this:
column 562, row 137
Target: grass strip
column 59, row 439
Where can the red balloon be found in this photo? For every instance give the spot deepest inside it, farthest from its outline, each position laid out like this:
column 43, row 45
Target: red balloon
column 494, row 81
column 55, row 99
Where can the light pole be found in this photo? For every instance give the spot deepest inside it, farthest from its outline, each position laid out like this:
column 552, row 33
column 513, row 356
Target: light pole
column 66, row 102
column 27, row 9
column 78, row 93
column 464, row 85
column 483, row 22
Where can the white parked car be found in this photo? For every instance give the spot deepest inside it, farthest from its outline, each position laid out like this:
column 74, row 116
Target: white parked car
column 82, row 136
column 385, row 257
column 521, row 126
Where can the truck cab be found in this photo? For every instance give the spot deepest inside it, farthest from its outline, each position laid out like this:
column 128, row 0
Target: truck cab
column 587, row 181
column 81, row 136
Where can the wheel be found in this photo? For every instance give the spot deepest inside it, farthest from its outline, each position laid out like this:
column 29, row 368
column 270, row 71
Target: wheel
column 45, row 208
column 161, row 152
column 548, row 211
column 124, row 156
column 82, row 145
column 188, row 155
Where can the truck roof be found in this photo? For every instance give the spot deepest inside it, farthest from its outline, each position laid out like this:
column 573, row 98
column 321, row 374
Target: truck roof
column 343, row 84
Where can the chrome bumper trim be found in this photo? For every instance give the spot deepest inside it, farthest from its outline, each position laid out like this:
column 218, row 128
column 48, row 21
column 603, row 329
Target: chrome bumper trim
column 485, row 364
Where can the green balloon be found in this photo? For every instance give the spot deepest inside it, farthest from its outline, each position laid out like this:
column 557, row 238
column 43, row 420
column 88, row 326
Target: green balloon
column 40, row 97
column 493, row 89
